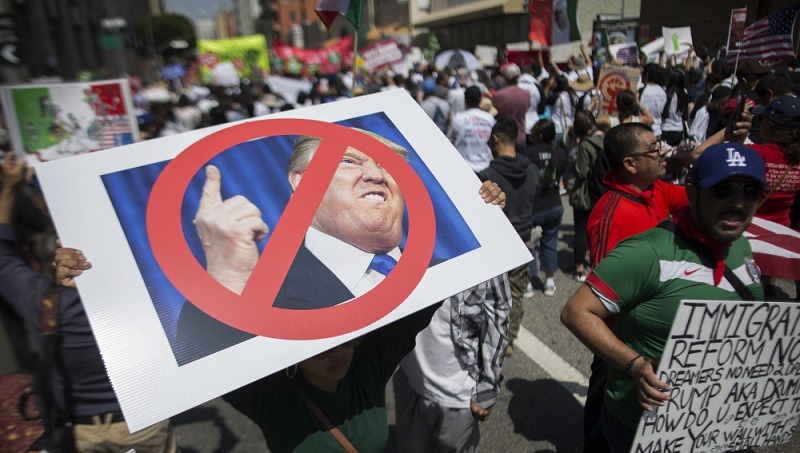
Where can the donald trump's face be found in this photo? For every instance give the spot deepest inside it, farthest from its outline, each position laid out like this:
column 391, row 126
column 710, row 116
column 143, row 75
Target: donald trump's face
column 363, row 205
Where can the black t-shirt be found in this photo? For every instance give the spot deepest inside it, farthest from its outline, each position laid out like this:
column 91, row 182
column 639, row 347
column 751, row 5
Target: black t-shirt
column 550, row 172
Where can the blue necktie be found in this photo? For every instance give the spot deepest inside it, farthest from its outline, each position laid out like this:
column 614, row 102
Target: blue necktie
column 382, row 263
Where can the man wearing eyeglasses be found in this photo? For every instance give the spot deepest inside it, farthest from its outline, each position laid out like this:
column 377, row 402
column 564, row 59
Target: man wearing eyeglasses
column 699, row 254
column 637, row 199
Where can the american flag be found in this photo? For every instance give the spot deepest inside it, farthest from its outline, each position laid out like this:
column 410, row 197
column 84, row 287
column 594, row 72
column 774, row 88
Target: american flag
column 770, row 38
column 776, row 248
column 628, row 53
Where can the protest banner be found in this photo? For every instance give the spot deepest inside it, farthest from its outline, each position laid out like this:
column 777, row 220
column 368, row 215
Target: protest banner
column 381, row 54
column 734, row 372
column 652, row 48
column 247, row 54
column 561, row 53
column 289, row 88
column 612, row 80
column 736, row 30
column 326, row 60
column 625, row 53
column 677, row 41
column 135, row 223
column 487, row 55
column 55, row 120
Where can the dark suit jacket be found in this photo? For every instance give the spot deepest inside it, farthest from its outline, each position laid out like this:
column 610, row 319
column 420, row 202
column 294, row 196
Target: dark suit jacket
column 308, row 284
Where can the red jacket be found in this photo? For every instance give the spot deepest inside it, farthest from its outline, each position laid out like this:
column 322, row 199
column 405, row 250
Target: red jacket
column 624, row 211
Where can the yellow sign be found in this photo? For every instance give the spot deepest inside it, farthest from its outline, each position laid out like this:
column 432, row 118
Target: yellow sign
column 247, row 55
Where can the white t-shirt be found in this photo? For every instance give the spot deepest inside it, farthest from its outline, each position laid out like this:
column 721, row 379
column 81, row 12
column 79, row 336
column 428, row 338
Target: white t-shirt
column 562, row 109
column 529, row 84
column 455, row 97
column 615, row 120
column 654, row 98
column 433, row 368
column 673, row 122
column 700, row 125
column 188, row 117
column 469, row 132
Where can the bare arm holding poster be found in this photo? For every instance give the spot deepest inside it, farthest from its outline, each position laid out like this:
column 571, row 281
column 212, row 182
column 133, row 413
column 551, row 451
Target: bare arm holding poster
column 585, row 315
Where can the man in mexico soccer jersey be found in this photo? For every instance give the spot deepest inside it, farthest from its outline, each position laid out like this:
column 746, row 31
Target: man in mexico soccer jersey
column 644, row 279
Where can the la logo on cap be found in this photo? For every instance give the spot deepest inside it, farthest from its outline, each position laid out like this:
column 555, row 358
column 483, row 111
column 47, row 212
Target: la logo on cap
column 735, row 159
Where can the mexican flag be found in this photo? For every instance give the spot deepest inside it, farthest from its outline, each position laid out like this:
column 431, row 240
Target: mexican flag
column 553, row 21
column 541, row 21
column 565, row 21
column 327, row 10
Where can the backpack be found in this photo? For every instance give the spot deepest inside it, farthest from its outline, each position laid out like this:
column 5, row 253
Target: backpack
column 582, row 99
column 600, row 168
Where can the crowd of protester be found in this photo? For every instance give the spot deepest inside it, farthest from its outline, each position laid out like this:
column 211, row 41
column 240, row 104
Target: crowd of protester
column 538, row 132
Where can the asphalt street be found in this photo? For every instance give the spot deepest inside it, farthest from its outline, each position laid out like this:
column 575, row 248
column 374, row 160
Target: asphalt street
column 539, row 410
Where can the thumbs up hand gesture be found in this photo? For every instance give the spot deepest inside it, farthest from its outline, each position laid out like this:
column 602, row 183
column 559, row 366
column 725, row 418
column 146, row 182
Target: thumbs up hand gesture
column 228, row 230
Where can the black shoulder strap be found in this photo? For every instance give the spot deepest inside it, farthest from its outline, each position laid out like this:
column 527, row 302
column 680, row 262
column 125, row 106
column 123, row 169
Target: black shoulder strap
column 628, row 196
column 741, row 289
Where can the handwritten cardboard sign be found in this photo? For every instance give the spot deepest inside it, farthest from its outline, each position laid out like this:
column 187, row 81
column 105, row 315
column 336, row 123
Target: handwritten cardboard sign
column 135, row 224
column 734, row 369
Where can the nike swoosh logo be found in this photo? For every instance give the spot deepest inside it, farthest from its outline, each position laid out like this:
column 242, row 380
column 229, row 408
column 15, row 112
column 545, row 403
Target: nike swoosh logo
column 690, row 272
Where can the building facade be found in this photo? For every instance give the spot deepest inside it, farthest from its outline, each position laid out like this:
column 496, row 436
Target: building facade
column 465, row 23
column 65, row 37
column 247, row 12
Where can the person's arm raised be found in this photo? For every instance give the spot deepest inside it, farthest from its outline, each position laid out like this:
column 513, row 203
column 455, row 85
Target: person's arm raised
column 229, row 231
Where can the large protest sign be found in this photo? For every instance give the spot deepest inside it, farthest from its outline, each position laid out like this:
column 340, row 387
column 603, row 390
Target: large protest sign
column 677, row 41
column 736, row 30
column 247, row 55
column 135, row 223
column 612, row 80
column 625, row 53
column 55, row 120
column 561, row 53
column 326, row 60
column 734, row 373
column 381, row 54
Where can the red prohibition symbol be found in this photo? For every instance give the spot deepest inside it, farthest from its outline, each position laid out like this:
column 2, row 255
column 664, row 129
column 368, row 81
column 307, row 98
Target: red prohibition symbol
column 252, row 311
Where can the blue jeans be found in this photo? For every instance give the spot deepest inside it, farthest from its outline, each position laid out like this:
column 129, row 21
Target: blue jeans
column 550, row 221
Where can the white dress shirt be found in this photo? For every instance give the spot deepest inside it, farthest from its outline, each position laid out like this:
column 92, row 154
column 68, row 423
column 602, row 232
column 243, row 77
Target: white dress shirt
column 349, row 263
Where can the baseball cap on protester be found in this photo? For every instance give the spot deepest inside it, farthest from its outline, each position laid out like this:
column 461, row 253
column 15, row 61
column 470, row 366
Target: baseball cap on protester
column 429, row 86
column 784, row 110
column 720, row 162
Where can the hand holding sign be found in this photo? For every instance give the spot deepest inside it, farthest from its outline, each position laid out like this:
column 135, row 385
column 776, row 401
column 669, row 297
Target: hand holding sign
column 228, row 231
column 651, row 388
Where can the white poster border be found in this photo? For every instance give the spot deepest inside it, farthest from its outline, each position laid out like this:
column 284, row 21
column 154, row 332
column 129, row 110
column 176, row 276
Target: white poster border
column 149, row 385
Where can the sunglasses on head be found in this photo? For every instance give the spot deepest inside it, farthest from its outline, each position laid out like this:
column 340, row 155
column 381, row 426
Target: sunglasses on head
column 750, row 191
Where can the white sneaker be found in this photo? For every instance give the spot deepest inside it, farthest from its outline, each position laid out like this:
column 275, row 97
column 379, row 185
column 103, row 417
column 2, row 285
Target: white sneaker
column 528, row 291
column 550, row 289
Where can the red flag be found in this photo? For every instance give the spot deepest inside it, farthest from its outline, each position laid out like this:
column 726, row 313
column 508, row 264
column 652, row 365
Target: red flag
column 776, row 248
column 541, row 21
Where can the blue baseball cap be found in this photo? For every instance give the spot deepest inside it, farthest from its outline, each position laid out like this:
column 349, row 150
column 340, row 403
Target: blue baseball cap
column 720, row 162
column 784, row 110
column 428, row 86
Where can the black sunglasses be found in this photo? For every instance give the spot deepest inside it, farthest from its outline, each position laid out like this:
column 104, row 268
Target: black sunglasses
column 750, row 191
